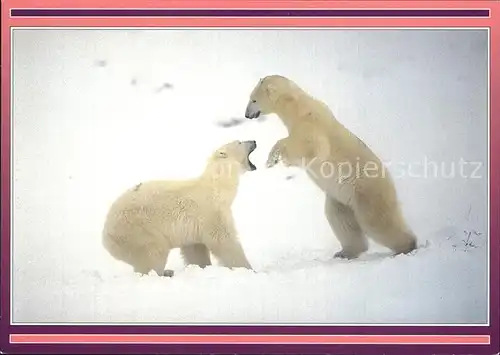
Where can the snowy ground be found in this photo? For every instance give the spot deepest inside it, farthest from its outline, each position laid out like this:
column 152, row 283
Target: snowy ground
column 95, row 112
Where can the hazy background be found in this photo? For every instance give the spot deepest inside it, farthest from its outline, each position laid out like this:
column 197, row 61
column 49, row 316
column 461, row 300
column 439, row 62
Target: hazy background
column 97, row 111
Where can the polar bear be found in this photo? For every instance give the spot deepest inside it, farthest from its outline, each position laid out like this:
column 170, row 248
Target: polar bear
column 151, row 218
column 361, row 198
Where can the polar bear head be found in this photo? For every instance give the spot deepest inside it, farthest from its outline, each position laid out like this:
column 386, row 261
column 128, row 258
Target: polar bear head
column 236, row 153
column 265, row 97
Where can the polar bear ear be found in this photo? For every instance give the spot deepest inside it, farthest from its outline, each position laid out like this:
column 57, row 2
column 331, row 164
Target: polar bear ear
column 222, row 154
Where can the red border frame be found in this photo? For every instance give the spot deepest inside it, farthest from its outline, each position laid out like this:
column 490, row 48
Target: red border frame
column 366, row 339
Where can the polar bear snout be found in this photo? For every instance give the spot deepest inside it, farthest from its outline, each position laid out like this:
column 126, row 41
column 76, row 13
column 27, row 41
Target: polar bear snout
column 252, row 111
column 252, row 145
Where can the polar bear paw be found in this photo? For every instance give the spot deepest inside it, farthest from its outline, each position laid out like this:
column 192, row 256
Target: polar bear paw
column 344, row 254
column 168, row 273
column 274, row 157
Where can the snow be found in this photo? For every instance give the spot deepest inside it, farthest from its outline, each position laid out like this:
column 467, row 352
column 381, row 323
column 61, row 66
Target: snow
column 97, row 111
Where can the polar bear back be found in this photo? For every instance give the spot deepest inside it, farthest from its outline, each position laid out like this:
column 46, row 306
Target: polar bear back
column 164, row 212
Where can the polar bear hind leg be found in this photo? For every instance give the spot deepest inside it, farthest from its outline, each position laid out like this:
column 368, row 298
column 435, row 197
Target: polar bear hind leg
column 382, row 221
column 196, row 254
column 346, row 228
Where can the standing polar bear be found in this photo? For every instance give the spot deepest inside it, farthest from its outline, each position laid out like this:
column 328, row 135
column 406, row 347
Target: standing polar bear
column 152, row 218
column 361, row 199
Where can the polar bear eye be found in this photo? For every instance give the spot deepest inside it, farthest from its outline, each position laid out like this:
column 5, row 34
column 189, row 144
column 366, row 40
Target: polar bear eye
column 223, row 154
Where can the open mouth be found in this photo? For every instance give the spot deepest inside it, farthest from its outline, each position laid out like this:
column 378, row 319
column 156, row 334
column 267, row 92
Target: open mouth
column 253, row 146
column 251, row 165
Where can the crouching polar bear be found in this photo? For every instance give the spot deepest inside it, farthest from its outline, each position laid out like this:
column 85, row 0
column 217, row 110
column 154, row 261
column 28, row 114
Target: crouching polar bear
column 361, row 199
column 152, row 218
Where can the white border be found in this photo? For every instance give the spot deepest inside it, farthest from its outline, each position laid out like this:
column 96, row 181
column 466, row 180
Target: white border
column 487, row 324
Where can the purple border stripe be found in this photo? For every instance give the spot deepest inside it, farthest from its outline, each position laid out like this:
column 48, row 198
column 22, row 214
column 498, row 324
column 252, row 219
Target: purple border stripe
column 248, row 349
column 249, row 13
column 137, row 328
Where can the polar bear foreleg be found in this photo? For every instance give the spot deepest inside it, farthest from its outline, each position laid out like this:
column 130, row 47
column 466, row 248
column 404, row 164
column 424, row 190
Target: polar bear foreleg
column 275, row 154
column 280, row 152
column 295, row 151
column 226, row 248
column 229, row 253
column 143, row 262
